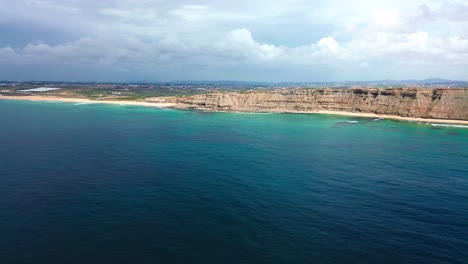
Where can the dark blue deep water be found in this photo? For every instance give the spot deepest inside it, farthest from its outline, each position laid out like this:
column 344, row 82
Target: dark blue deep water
column 119, row 184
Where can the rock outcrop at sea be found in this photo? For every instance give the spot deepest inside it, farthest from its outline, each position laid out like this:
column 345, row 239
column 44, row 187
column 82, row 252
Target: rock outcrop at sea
column 436, row 103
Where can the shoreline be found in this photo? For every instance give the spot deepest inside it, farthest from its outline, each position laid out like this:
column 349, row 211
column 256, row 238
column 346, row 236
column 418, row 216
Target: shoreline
column 367, row 115
column 398, row 118
column 41, row 98
column 172, row 105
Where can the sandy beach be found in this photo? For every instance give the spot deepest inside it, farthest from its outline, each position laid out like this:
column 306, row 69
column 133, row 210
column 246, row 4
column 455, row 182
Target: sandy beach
column 84, row 101
column 409, row 119
column 169, row 105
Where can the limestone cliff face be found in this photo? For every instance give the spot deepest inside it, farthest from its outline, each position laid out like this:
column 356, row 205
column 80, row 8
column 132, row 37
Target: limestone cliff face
column 407, row 102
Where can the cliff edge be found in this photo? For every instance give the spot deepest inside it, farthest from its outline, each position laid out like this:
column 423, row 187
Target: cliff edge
column 434, row 103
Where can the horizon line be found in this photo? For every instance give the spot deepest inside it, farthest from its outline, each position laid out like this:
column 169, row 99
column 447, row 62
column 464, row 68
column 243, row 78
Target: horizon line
column 432, row 80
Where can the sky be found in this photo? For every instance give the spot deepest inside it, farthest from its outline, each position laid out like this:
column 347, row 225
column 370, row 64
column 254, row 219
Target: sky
column 245, row 40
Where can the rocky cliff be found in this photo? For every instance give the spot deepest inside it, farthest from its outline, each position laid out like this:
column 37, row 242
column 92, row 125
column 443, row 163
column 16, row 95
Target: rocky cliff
column 437, row 103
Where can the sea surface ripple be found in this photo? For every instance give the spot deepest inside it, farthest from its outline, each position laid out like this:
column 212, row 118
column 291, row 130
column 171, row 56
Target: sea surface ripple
column 124, row 184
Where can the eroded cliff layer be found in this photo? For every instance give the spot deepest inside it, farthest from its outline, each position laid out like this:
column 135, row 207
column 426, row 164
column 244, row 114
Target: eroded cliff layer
column 436, row 103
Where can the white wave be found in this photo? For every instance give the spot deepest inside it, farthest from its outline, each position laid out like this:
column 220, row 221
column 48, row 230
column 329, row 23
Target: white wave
column 448, row 125
column 248, row 113
column 352, row 121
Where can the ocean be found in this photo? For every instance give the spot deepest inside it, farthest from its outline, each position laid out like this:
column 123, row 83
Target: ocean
column 125, row 184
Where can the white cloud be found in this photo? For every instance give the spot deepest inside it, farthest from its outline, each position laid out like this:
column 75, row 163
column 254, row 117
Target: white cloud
column 330, row 44
column 387, row 20
column 239, row 43
column 191, row 12
column 7, row 55
column 130, row 36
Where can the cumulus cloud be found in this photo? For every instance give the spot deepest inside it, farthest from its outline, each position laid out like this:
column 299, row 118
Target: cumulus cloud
column 330, row 44
column 141, row 36
column 7, row 55
column 240, row 43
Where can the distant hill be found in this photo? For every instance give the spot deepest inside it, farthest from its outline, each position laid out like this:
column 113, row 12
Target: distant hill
column 425, row 82
column 432, row 82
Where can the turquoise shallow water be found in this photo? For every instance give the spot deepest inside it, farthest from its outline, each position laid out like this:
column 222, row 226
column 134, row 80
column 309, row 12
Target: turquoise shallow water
column 119, row 184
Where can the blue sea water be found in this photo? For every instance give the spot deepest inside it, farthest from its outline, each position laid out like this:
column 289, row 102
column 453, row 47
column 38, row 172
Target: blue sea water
column 121, row 184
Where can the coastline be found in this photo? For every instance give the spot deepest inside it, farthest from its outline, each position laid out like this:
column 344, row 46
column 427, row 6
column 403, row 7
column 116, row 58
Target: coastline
column 83, row 101
column 398, row 118
column 173, row 105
